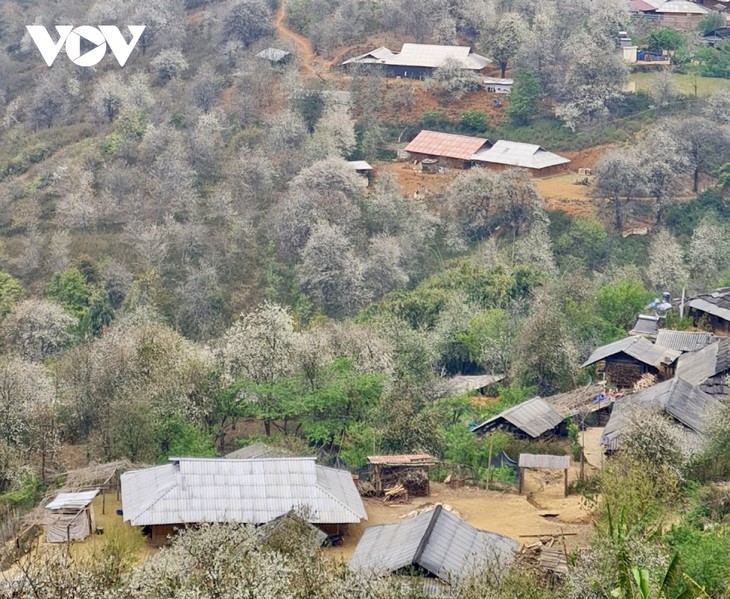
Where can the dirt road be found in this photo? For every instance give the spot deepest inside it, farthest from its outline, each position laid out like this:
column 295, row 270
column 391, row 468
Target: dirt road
column 304, row 52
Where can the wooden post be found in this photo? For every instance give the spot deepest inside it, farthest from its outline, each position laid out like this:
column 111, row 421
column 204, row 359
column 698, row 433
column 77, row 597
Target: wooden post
column 522, row 480
column 566, row 482
column 489, row 461
column 103, row 503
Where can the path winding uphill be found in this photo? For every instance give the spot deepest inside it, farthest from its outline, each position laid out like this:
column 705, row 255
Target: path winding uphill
column 304, row 52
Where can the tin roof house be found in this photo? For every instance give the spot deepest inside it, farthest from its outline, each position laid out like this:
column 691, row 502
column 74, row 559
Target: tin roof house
column 513, row 154
column 708, row 367
column 255, row 491
column 435, row 543
column 711, row 311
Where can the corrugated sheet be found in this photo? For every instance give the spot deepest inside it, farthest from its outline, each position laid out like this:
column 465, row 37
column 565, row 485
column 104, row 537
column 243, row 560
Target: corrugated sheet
column 430, row 55
column 513, row 153
column 224, row 490
column 72, row 501
column 584, row 400
column 412, row 459
column 273, row 54
column 646, row 325
column 684, row 341
column 686, row 403
column 534, row 417
column 703, row 305
column 464, row 384
column 258, row 451
column 638, row 348
column 682, row 7
column 552, row 462
column 697, row 367
column 374, row 56
column 451, row 548
column 447, row 145
column 360, row 165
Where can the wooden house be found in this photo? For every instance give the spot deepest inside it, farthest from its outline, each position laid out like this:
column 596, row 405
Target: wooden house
column 711, row 311
column 531, row 419
column 627, row 360
column 707, row 368
column 450, row 150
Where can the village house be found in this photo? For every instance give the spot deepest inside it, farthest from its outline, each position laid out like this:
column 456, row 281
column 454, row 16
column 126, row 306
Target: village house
column 708, row 367
column 531, row 419
column 646, row 325
column 275, row 56
column 448, row 149
column 190, row 491
column 435, row 543
column 676, row 14
column 418, row 61
column 684, row 341
column 625, row 361
column 711, row 311
column 362, row 168
column 690, row 408
column 497, row 85
column 513, row 154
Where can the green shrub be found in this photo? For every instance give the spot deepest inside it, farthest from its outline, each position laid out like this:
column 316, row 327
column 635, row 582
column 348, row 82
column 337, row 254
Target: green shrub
column 504, row 475
column 473, row 121
column 705, row 556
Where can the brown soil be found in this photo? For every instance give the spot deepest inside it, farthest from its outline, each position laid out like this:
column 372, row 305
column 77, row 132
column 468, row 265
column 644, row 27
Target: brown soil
column 412, row 181
column 503, row 512
column 304, row 52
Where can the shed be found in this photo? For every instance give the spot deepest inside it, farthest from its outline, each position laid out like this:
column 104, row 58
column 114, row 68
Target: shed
column 275, row 56
column 532, row 418
column 691, row 408
column 707, row 367
column 462, row 384
column 390, row 470
column 684, row 341
column 436, row 542
column 543, row 462
column 255, row 491
column 456, row 150
column 361, row 167
column 70, row 517
column 711, row 311
column 628, row 359
column 591, row 404
column 497, row 85
column 513, row 154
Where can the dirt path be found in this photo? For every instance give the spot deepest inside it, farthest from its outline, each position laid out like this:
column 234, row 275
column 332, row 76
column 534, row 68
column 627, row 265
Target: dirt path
column 305, row 53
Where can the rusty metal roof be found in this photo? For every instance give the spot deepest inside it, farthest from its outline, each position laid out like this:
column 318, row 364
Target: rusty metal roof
column 446, row 145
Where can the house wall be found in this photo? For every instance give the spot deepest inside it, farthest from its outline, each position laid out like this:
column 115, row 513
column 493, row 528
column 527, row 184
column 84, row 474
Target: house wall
column 442, row 161
column 710, row 322
column 543, row 172
column 681, row 21
column 408, row 71
column 159, row 533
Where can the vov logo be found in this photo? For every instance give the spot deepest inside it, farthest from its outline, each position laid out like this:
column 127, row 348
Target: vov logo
column 98, row 36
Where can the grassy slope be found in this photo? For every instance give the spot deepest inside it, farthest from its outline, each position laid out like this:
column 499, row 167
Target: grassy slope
column 685, row 84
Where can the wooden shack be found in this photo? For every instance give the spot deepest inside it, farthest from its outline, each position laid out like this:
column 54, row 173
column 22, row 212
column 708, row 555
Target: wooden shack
column 409, row 470
column 544, row 462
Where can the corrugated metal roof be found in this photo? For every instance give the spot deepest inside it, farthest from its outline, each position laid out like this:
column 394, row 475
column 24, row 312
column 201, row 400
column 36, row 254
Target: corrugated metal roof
column 360, row 165
column 72, row 501
column 430, row 55
column 374, row 56
column 257, row 451
column 698, row 367
column 464, row 384
column 641, row 6
column 682, row 7
column 273, row 54
column 646, row 325
column 638, row 348
column 714, row 308
column 552, row 462
column 447, row 145
column 684, row 341
column 437, row 540
column 414, row 459
column 534, row 417
column 513, row 153
column 584, row 400
column 224, row 490
column 686, row 403
column 498, row 80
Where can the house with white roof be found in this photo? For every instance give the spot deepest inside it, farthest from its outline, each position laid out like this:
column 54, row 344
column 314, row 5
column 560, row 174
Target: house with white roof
column 189, row 491
column 417, row 61
column 513, row 154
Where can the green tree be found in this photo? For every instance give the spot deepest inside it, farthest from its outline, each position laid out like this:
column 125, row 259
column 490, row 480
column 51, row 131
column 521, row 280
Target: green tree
column 71, row 290
column 665, row 38
column 473, row 121
column 524, row 98
column 711, row 22
column 619, row 303
column 10, row 292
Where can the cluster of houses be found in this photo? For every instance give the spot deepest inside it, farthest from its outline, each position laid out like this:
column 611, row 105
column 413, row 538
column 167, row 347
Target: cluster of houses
column 680, row 374
column 676, row 14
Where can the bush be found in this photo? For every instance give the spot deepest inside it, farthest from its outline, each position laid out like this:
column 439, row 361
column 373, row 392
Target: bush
column 473, row 121
column 504, row 475
column 705, row 556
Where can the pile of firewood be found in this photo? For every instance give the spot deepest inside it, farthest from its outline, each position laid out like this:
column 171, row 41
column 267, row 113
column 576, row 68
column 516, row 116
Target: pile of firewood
column 414, row 481
column 396, row 494
column 365, row 488
column 547, row 553
column 647, row 380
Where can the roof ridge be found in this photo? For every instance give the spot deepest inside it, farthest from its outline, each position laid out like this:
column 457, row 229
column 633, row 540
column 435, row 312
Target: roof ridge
column 427, row 535
column 163, row 492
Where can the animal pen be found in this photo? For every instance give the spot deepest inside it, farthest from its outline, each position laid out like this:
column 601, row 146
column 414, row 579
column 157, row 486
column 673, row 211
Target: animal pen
column 410, row 471
column 70, row 517
column 544, row 462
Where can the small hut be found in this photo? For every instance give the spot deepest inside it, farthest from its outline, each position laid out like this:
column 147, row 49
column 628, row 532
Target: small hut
column 411, row 471
column 544, row 462
column 70, row 517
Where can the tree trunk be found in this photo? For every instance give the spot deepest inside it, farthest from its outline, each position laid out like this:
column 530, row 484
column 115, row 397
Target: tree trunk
column 503, row 66
column 267, row 427
column 617, row 214
column 696, row 179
